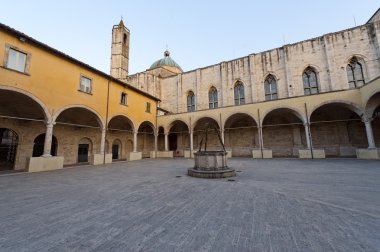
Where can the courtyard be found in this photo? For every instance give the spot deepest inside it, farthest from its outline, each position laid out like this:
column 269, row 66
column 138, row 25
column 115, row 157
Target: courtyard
column 152, row 205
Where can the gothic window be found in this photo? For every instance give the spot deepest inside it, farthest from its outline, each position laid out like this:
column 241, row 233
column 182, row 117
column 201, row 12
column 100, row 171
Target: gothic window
column 355, row 73
column 239, row 93
column 213, row 98
column 190, row 101
column 270, row 85
column 310, row 81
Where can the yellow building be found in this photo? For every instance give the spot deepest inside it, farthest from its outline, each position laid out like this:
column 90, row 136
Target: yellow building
column 56, row 110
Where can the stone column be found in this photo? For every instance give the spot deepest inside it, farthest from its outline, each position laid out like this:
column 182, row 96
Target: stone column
column 261, row 143
column 222, row 135
column 156, row 141
column 103, row 141
column 135, row 141
column 191, row 142
column 166, row 142
column 368, row 129
column 307, row 135
column 48, row 139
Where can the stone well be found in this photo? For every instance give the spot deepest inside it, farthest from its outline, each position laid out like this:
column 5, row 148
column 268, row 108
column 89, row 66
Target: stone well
column 211, row 164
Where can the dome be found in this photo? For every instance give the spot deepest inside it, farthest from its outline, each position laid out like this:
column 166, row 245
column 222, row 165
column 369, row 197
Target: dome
column 167, row 61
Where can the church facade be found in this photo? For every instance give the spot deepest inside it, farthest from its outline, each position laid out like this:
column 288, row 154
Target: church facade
column 310, row 95
column 312, row 99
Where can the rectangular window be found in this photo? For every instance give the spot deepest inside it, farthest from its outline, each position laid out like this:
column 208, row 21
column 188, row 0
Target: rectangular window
column 147, row 107
column 85, row 84
column 16, row 60
column 123, row 99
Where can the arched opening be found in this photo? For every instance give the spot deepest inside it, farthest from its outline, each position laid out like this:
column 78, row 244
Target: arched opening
column 8, row 148
column 284, row 132
column 376, row 125
column 72, row 124
column 213, row 142
column 116, row 149
column 84, row 150
column 20, row 112
column 190, row 101
column 179, row 138
column 241, row 135
column 161, row 139
column 120, row 127
column 239, row 96
column 337, row 129
column 372, row 111
column 145, row 139
column 38, row 146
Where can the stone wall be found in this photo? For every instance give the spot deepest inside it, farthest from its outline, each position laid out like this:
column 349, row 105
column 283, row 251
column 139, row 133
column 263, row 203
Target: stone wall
column 328, row 55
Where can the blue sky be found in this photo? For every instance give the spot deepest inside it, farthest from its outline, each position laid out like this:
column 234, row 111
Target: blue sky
column 198, row 33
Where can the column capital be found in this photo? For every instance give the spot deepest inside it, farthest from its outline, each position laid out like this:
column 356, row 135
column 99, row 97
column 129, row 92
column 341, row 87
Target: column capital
column 50, row 123
column 306, row 124
column 367, row 120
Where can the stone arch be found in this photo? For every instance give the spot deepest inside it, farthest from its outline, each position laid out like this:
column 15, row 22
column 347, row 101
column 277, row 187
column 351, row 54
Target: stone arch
column 283, row 131
column 198, row 133
column 337, row 128
column 349, row 105
column 42, row 106
column 240, row 134
column 179, row 137
column 293, row 110
column 371, row 103
column 270, row 73
column 98, row 117
column 123, row 117
column 145, row 138
column 197, row 121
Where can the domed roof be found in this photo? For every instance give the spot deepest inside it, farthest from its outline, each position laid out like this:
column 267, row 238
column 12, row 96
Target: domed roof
column 166, row 61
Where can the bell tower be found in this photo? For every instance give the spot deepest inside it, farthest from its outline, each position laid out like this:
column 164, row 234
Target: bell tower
column 120, row 51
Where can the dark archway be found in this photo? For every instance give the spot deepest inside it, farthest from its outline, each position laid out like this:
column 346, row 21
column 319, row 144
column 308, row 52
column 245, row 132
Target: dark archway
column 179, row 138
column 8, row 148
column 38, row 146
column 241, row 135
column 213, row 142
column 284, row 132
column 145, row 139
column 338, row 130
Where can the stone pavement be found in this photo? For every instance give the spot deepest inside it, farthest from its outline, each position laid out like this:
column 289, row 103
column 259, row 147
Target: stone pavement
column 273, row 205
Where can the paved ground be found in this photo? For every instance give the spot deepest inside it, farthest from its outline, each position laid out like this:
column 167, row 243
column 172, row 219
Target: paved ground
column 274, row 205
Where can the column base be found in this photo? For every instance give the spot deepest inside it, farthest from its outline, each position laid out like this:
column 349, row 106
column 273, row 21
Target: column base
column 264, row 153
column 188, row 154
column 229, row 153
column 368, row 153
column 97, row 159
column 164, row 154
column 37, row 164
column 135, row 156
column 306, row 153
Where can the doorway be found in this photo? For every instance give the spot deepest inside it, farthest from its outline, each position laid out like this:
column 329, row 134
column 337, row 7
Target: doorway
column 83, row 153
column 8, row 149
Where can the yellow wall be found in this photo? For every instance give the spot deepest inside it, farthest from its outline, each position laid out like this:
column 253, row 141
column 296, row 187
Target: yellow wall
column 55, row 82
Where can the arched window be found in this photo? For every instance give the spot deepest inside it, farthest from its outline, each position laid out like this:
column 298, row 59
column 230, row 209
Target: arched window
column 213, row 98
column 270, row 88
column 190, row 101
column 355, row 73
column 310, row 81
column 239, row 93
